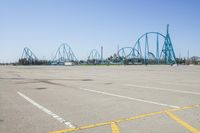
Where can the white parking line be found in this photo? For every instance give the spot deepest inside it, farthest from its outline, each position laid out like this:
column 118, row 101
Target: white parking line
column 163, row 89
column 180, row 84
column 60, row 119
column 129, row 98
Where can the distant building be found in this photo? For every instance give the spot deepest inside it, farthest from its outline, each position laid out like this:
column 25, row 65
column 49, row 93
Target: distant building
column 195, row 60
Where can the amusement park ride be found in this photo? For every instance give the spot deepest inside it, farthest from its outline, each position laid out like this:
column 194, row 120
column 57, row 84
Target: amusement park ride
column 28, row 57
column 141, row 53
column 150, row 48
column 64, row 54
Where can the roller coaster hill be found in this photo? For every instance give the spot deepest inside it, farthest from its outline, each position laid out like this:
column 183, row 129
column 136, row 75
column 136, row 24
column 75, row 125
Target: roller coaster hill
column 29, row 58
column 149, row 48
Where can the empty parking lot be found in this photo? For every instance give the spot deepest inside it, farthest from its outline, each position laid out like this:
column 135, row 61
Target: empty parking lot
column 99, row 99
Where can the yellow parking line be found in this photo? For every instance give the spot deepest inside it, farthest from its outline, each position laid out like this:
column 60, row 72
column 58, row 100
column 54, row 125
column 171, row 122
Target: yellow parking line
column 143, row 115
column 115, row 128
column 82, row 127
column 124, row 119
column 107, row 123
column 65, row 130
column 182, row 123
column 183, row 108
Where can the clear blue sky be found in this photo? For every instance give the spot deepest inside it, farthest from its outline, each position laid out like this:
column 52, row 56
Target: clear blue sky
column 42, row 25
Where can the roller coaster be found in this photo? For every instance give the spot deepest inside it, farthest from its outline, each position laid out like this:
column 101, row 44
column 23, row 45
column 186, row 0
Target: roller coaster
column 64, row 54
column 150, row 48
column 141, row 53
column 28, row 57
column 94, row 57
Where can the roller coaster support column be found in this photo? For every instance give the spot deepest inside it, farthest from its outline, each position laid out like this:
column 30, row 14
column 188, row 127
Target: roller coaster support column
column 169, row 51
column 146, row 56
column 157, row 51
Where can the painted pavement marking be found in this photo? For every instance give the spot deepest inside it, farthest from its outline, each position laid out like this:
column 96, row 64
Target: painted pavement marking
column 129, row 98
column 58, row 118
column 115, row 128
column 163, row 89
column 117, row 121
column 182, row 123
